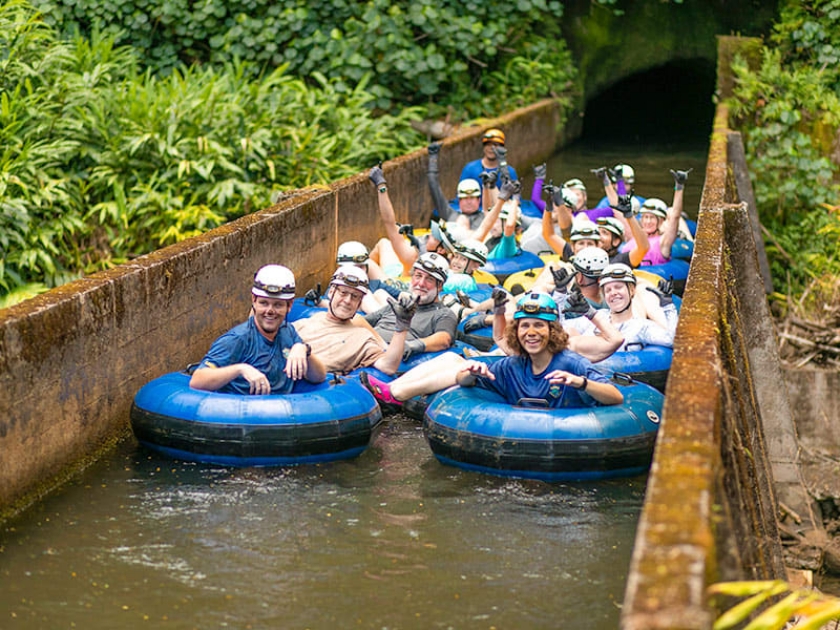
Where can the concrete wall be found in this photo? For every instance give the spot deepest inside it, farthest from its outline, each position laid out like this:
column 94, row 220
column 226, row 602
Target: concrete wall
column 72, row 359
column 710, row 507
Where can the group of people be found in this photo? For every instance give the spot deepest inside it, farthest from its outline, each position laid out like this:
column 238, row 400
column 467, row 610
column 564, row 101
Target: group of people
column 579, row 311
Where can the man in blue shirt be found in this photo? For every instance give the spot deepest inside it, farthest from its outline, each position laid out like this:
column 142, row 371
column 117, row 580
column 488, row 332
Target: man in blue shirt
column 263, row 355
column 491, row 162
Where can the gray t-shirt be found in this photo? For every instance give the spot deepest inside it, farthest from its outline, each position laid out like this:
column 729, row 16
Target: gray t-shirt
column 428, row 320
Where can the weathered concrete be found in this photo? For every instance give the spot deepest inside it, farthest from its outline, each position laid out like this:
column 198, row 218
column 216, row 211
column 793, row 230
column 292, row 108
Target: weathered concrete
column 710, row 508
column 72, row 359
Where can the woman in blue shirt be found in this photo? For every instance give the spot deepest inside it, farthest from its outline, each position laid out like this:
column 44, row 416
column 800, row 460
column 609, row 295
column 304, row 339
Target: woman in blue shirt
column 542, row 368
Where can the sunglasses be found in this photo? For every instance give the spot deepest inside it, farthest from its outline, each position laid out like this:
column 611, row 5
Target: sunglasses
column 273, row 288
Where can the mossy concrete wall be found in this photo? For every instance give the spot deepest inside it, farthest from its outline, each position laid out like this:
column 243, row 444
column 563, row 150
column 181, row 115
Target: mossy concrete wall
column 72, row 359
column 711, row 502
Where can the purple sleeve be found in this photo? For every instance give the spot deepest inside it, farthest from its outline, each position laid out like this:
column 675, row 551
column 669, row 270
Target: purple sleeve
column 536, row 195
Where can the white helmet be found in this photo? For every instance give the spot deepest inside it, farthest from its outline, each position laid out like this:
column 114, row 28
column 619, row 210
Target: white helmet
column 656, row 207
column 575, row 184
column 274, row 281
column 468, row 188
column 585, row 230
column 433, row 264
column 352, row 252
column 612, row 225
column 591, row 261
column 473, row 249
column 617, row 272
column 627, row 172
column 351, row 276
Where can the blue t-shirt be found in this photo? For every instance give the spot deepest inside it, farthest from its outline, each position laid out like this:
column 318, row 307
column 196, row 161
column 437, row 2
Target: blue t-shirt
column 245, row 344
column 515, row 380
column 474, row 169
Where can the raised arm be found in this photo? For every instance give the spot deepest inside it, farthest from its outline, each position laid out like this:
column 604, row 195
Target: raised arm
column 433, row 176
column 672, row 223
column 402, row 248
column 624, row 209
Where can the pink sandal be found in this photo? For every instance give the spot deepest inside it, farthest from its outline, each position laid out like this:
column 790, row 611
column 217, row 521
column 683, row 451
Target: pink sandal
column 380, row 389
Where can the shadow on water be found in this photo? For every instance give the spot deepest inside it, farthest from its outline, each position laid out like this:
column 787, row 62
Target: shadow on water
column 392, row 539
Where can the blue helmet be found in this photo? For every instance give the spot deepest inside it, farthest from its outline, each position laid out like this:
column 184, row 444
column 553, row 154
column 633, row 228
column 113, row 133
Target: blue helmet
column 537, row 305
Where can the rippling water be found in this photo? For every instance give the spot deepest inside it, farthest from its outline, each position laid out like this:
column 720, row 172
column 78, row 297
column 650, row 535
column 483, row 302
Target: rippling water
column 392, row 539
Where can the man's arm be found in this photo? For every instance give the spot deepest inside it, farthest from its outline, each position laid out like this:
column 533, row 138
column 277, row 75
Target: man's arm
column 402, row 248
column 212, row 379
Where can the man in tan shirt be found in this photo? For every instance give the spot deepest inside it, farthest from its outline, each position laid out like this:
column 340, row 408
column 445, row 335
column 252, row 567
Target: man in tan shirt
column 345, row 342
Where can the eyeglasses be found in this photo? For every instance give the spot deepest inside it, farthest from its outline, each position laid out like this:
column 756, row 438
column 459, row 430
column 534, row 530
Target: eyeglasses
column 344, row 293
column 358, row 258
column 351, row 280
column 273, row 288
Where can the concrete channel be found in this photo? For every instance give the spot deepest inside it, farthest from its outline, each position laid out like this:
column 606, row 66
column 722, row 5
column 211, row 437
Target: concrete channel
column 72, row 359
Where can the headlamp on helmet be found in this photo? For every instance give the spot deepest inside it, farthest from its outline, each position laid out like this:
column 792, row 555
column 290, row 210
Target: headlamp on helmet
column 433, row 264
column 496, row 136
column 536, row 305
column 617, row 272
column 274, row 281
column 352, row 277
column 352, row 252
column 656, row 207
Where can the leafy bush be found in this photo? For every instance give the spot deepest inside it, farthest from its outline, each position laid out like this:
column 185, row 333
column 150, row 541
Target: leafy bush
column 101, row 163
column 789, row 113
column 416, row 52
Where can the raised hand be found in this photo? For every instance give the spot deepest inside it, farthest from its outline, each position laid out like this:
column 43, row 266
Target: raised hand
column 624, row 205
column 601, row 174
column 540, row 171
column 680, row 177
column 488, row 179
column 404, row 310
column 509, row 189
column 577, row 303
column 434, row 148
column 500, row 300
column 501, row 154
column 562, row 278
column 474, row 323
column 377, row 176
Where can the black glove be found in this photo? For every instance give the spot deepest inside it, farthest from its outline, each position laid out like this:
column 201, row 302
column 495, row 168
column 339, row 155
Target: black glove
column 664, row 298
column 404, row 309
column 624, row 205
column 500, row 300
column 408, row 230
column 680, row 177
column 601, row 173
column 550, row 188
column 540, row 171
column 562, row 278
column 412, row 347
column 474, row 323
column 313, row 296
column 577, row 303
column 488, row 179
column 666, row 286
column 509, row 189
column 434, row 148
column 561, row 197
column 377, row 176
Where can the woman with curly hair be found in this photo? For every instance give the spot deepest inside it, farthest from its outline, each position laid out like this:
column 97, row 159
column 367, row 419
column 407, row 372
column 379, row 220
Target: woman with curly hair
column 542, row 370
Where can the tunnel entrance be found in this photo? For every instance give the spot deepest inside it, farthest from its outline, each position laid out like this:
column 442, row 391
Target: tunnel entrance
column 669, row 107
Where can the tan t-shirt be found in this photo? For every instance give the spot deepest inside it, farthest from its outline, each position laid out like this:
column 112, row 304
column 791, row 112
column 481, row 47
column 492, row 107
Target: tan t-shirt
column 341, row 346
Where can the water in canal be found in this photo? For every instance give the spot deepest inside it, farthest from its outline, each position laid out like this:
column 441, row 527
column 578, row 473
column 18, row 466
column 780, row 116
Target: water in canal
column 392, row 539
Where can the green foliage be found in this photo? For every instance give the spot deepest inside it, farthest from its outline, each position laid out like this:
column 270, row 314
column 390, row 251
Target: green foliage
column 101, row 162
column 415, row 52
column 785, row 112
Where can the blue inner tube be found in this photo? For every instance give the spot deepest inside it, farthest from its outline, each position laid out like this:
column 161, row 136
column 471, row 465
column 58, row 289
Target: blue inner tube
column 676, row 269
column 682, row 249
column 475, row 429
column 648, row 365
column 503, row 267
column 315, row 423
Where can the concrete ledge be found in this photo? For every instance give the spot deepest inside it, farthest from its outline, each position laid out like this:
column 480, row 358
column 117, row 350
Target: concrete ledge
column 72, row 359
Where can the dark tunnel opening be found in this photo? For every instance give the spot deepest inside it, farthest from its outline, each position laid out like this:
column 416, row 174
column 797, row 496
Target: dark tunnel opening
column 669, row 107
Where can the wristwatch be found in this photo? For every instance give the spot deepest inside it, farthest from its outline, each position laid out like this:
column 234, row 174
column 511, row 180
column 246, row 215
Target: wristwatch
column 308, row 348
